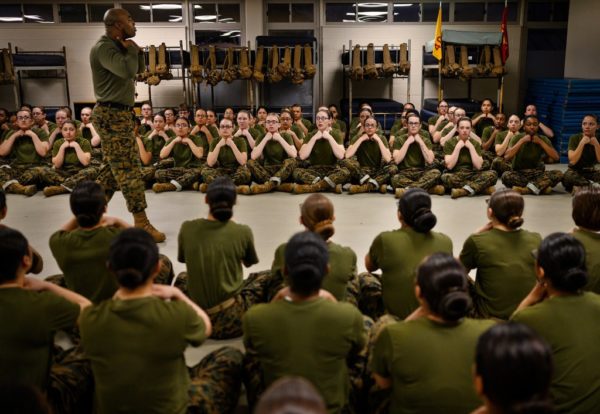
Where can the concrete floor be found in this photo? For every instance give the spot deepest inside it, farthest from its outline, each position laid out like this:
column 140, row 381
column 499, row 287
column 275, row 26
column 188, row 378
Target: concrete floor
column 274, row 218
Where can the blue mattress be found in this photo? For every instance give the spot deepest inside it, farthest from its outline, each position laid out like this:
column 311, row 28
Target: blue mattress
column 37, row 59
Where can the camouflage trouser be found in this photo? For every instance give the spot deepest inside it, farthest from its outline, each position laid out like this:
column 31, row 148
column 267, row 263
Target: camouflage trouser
column 580, row 178
column 227, row 323
column 121, row 165
column 148, row 173
column 71, row 385
column 477, row 180
column 96, row 157
column 164, row 277
column 357, row 371
column 364, row 292
column 488, row 159
column 240, row 175
column 263, row 173
column 500, row 165
column 539, row 177
column 336, row 173
column 12, row 174
column 216, row 382
column 185, row 177
column 72, row 178
column 382, row 174
column 438, row 161
column 417, row 178
column 378, row 399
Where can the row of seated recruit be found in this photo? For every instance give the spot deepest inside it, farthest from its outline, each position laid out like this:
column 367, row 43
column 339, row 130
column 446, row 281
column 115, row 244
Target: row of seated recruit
column 485, row 68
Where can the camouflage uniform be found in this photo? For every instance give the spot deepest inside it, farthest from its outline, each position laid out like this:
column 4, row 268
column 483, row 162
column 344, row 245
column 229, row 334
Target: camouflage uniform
column 583, row 173
column 263, row 173
column 121, row 167
column 215, row 382
column 364, row 292
column 412, row 170
column 24, row 165
column 240, row 175
column 538, row 176
column 185, row 177
column 322, row 163
column 369, row 162
column 463, row 173
column 71, row 386
column 227, row 322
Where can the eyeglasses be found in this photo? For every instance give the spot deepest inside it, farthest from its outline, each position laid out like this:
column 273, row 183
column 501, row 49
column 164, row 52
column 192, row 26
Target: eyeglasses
column 322, row 118
column 23, row 118
column 450, row 112
column 414, row 123
column 181, row 125
column 226, row 126
column 443, row 106
column 370, row 125
column 271, row 121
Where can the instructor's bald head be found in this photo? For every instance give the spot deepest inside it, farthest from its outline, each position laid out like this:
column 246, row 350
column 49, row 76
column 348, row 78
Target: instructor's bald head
column 114, row 15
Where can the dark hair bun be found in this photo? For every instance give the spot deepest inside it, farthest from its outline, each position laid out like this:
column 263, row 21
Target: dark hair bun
column 454, row 305
column 129, row 278
column 515, row 222
column 87, row 219
column 222, row 211
column 424, row 220
column 575, row 279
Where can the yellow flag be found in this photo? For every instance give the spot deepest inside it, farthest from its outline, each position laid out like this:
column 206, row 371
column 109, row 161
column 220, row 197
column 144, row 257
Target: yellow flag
column 437, row 46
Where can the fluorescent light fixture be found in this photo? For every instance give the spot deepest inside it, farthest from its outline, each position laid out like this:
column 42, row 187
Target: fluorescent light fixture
column 230, row 33
column 350, row 14
column 403, row 5
column 197, row 6
column 175, row 19
column 11, row 19
column 372, row 5
column 32, row 17
column 226, row 19
column 372, row 13
column 206, row 17
column 163, row 6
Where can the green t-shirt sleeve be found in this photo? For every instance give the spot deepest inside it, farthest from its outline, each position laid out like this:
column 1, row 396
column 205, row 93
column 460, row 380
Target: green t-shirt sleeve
column 194, row 330
column 250, row 256
column 180, row 248
column 56, row 147
column 376, row 251
column 449, row 146
column 240, row 143
column 574, row 142
column 360, row 337
column 278, row 263
column 382, row 355
column 85, row 145
column 469, row 254
column 60, row 313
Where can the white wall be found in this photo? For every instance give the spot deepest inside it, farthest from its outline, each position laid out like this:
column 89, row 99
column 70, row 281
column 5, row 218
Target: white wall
column 78, row 40
column 583, row 51
column 337, row 36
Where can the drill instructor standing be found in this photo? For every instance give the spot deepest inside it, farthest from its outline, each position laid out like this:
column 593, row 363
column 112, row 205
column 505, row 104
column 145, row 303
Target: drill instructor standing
column 115, row 60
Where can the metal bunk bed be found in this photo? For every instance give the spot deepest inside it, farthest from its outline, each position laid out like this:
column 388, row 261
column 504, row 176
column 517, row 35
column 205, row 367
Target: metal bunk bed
column 38, row 65
column 385, row 110
column 178, row 61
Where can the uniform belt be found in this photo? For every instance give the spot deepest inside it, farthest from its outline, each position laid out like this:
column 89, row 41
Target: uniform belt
column 115, row 105
column 221, row 306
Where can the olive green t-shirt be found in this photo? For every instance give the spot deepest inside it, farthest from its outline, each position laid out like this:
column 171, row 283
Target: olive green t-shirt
column 464, row 161
column 487, row 133
column 29, row 320
column 570, row 326
column 433, row 119
column 339, row 124
column 214, row 130
column 482, row 124
column 530, row 155
column 321, row 153
column 447, row 130
column 183, row 155
column 23, row 150
column 414, row 156
column 368, row 153
column 255, row 132
column 588, row 157
column 442, row 125
column 113, row 71
column 298, row 131
column 226, row 158
column 71, row 161
column 155, row 144
column 342, row 267
column 310, row 339
column 591, row 242
column 81, row 255
column 273, row 153
column 430, row 365
column 398, row 253
column 500, row 136
column 136, row 348
column 213, row 253
column 505, row 269
column 356, row 134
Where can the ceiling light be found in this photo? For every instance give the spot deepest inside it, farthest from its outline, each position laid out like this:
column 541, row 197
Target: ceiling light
column 32, row 17
column 161, row 7
column 11, row 19
column 403, row 5
column 207, row 17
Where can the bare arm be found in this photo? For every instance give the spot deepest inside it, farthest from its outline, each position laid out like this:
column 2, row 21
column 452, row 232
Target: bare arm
column 501, row 148
column 42, row 285
column 145, row 156
column 452, row 159
column 512, row 151
column 548, row 149
column 476, row 159
column 307, row 148
column 354, row 147
column 289, row 149
column 173, row 293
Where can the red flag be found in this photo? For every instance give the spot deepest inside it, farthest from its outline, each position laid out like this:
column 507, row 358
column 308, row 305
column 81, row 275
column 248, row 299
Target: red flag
column 504, row 46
